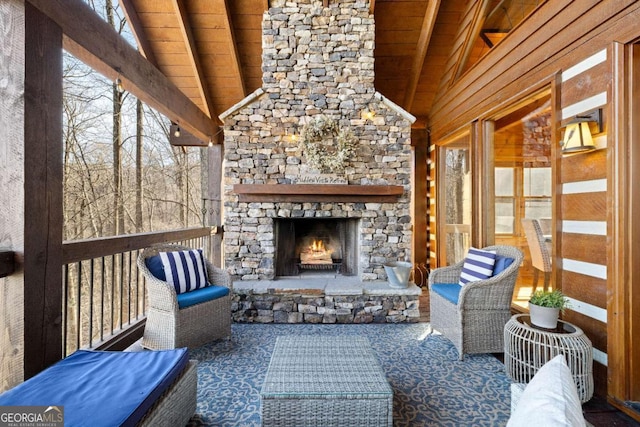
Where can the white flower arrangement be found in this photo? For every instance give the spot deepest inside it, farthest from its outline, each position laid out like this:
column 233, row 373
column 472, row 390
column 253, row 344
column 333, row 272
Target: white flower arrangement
column 327, row 146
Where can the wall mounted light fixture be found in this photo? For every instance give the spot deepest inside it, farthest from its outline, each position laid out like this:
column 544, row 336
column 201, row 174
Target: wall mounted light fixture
column 293, row 136
column 577, row 134
column 368, row 113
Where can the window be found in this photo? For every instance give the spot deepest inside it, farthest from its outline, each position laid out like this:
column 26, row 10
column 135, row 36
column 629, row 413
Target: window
column 505, row 200
column 537, row 192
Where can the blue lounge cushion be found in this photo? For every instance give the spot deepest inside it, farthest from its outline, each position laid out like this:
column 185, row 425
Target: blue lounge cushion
column 502, row 262
column 110, row 388
column 449, row 291
column 185, row 270
column 155, row 266
column 198, row 296
column 478, row 265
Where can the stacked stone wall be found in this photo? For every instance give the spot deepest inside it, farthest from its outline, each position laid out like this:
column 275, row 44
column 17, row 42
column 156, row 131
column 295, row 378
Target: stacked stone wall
column 249, row 307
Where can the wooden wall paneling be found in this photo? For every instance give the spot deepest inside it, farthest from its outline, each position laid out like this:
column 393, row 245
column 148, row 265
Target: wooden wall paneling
column 506, row 72
column 594, row 329
column 591, row 82
column 592, row 290
column 585, row 167
column 43, row 192
column 585, row 206
column 584, row 247
column 512, row 53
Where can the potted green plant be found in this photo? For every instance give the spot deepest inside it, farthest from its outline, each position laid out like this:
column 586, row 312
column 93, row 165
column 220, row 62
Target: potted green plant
column 545, row 308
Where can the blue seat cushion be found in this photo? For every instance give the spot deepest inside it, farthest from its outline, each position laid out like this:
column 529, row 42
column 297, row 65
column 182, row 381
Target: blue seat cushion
column 198, row 296
column 502, row 262
column 449, row 291
column 109, row 388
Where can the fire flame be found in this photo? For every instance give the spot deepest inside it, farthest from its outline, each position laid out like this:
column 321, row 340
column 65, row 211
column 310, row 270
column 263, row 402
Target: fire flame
column 318, row 246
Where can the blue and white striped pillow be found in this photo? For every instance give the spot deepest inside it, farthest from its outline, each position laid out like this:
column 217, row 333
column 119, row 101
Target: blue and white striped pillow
column 478, row 265
column 185, row 270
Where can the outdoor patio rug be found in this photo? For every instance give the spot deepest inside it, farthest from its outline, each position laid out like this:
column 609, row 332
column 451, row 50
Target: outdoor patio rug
column 431, row 387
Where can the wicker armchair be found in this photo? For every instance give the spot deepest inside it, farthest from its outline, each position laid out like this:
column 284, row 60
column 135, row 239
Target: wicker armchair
column 476, row 323
column 540, row 254
column 167, row 325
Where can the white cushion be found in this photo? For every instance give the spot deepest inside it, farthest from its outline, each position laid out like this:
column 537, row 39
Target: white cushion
column 185, row 270
column 550, row 398
column 478, row 265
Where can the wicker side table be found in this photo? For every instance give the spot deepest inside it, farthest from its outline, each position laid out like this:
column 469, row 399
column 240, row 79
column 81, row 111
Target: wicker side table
column 527, row 348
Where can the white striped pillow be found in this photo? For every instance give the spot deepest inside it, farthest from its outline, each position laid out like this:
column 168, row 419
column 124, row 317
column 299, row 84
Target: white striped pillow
column 478, row 265
column 185, row 270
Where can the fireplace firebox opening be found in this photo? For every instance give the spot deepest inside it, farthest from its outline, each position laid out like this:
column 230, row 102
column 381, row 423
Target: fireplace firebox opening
column 314, row 245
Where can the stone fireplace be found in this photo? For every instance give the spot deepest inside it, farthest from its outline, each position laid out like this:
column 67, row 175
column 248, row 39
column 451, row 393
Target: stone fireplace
column 315, row 246
column 316, row 61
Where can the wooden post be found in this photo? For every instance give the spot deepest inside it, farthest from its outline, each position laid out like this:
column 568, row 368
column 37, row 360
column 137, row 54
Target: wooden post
column 12, row 173
column 419, row 193
column 43, row 153
column 213, row 201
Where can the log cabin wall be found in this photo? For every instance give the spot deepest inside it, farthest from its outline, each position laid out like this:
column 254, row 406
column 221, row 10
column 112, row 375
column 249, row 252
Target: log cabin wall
column 569, row 47
column 581, row 209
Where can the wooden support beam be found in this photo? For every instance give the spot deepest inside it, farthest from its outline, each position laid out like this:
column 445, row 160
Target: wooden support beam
column 233, row 50
column 372, row 6
column 181, row 138
column 144, row 47
column 43, row 153
column 317, row 193
column 428, row 22
column 93, row 41
column 192, row 53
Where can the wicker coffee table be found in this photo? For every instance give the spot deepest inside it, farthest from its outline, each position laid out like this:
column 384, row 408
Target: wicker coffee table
column 325, row 381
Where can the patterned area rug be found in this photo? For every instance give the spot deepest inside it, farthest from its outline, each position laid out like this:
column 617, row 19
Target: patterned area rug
column 431, row 387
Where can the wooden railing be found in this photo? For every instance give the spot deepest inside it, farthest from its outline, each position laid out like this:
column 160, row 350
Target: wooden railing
column 104, row 293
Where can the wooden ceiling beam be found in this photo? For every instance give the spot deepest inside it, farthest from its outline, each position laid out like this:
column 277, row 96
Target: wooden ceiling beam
column 233, row 49
column 182, row 16
column 144, row 47
column 93, row 41
column 428, row 23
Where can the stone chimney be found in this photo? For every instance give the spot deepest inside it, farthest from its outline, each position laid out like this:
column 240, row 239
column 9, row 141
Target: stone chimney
column 316, row 61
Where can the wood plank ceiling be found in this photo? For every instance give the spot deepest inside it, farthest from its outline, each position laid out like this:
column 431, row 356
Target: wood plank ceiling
column 211, row 49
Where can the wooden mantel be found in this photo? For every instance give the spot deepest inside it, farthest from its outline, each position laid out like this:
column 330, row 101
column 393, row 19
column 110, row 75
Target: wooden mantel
column 317, row 193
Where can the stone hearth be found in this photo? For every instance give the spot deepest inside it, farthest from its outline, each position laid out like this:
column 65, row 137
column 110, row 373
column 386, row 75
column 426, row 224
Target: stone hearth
column 324, row 300
column 316, row 60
